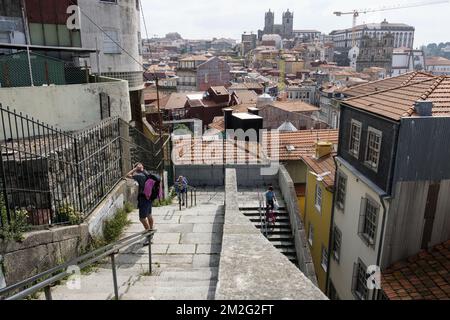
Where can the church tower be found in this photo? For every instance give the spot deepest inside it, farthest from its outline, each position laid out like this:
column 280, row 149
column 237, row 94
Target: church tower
column 288, row 24
column 269, row 22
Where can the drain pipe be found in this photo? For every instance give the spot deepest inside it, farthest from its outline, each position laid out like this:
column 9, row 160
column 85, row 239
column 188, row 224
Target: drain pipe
column 383, row 198
column 330, row 238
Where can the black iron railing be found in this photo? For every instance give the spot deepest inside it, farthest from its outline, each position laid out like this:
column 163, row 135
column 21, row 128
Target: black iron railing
column 45, row 280
column 189, row 195
column 55, row 177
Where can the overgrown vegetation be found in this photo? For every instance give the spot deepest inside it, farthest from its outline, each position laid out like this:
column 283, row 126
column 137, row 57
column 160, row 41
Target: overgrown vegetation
column 165, row 202
column 68, row 214
column 14, row 229
column 114, row 227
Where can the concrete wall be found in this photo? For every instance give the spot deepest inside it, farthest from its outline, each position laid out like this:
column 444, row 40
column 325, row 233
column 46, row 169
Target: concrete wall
column 213, row 175
column 125, row 191
column 300, row 238
column 251, row 268
column 122, row 17
column 40, row 251
column 68, row 107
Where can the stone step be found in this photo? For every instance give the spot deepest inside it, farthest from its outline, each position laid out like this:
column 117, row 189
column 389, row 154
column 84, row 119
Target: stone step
column 257, row 214
column 278, row 219
column 170, row 293
column 279, row 224
column 284, row 237
column 281, row 231
column 289, row 250
column 283, row 244
column 188, row 275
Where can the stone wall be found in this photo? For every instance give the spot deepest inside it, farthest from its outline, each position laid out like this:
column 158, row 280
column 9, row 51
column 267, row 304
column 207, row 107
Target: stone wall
column 213, row 175
column 125, row 191
column 251, row 268
column 40, row 251
column 301, row 244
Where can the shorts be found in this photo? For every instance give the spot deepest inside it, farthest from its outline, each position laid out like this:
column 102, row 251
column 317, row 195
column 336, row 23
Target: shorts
column 271, row 204
column 145, row 207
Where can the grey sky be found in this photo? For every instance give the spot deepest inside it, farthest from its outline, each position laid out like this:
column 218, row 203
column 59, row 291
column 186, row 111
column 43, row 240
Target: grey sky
column 204, row 19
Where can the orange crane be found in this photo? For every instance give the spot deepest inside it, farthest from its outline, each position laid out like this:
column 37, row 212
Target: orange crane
column 356, row 13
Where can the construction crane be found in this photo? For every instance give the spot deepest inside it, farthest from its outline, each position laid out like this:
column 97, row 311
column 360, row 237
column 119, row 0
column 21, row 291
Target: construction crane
column 357, row 13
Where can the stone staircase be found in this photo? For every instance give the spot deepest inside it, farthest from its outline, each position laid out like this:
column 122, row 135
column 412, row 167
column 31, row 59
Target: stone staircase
column 280, row 235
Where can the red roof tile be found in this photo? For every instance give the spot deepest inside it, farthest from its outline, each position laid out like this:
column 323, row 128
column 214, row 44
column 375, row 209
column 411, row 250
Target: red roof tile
column 423, row 276
column 396, row 103
column 295, row 145
column 388, row 83
column 322, row 165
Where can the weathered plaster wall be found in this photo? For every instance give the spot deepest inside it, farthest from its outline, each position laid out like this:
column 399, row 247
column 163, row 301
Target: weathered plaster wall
column 68, row 107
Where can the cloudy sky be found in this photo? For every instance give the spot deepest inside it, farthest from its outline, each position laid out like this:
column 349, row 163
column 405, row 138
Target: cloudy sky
column 205, row 19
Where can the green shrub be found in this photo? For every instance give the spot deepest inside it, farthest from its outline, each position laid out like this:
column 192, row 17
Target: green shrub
column 114, row 227
column 129, row 207
column 18, row 225
column 68, row 214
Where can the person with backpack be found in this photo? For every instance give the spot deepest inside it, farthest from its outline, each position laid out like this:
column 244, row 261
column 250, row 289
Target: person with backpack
column 270, row 205
column 149, row 190
column 181, row 188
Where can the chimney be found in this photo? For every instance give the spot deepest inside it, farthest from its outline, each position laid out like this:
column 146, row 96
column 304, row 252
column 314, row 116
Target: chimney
column 323, row 149
column 228, row 115
column 424, row 108
column 253, row 110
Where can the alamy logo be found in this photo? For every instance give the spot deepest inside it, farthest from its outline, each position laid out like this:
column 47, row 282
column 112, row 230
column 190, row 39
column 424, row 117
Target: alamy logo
column 374, row 278
column 239, row 148
column 73, row 21
column 74, row 280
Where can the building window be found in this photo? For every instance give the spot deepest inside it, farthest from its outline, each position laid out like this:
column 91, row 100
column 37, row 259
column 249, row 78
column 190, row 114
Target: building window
column 111, row 42
column 355, row 138
column 374, row 139
column 341, row 188
column 359, row 285
column 333, row 295
column 318, row 198
column 324, row 259
column 337, row 242
column 368, row 221
column 311, row 234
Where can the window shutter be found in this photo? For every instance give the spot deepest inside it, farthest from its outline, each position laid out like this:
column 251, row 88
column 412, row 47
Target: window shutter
column 362, row 216
column 354, row 278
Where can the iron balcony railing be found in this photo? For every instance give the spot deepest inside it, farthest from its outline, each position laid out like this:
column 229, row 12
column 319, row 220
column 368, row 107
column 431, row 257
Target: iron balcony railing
column 45, row 280
column 56, row 177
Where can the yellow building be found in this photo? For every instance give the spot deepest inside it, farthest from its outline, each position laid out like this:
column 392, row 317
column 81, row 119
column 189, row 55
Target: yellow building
column 318, row 207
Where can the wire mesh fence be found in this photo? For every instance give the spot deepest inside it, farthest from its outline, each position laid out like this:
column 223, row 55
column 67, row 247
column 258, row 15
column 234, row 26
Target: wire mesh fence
column 24, row 69
column 57, row 177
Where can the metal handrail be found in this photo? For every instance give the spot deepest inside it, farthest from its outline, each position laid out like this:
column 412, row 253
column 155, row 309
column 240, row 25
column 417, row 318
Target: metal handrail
column 193, row 192
column 263, row 216
column 81, row 262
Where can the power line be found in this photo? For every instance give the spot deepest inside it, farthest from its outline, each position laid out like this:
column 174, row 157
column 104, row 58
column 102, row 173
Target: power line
column 143, row 18
column 105, row 33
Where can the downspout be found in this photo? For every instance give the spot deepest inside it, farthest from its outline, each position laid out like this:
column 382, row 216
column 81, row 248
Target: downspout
column 330, row 238
column 383, row 197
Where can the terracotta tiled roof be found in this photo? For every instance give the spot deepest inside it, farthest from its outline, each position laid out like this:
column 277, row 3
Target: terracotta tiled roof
column 295, row 145
column 437, row 61
column 294, row 106
column 397, row 103
column 387, row 83
column 204, row 152
column 322, row 165
column 218, row 124
column 425, row 276
column 246, row 96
